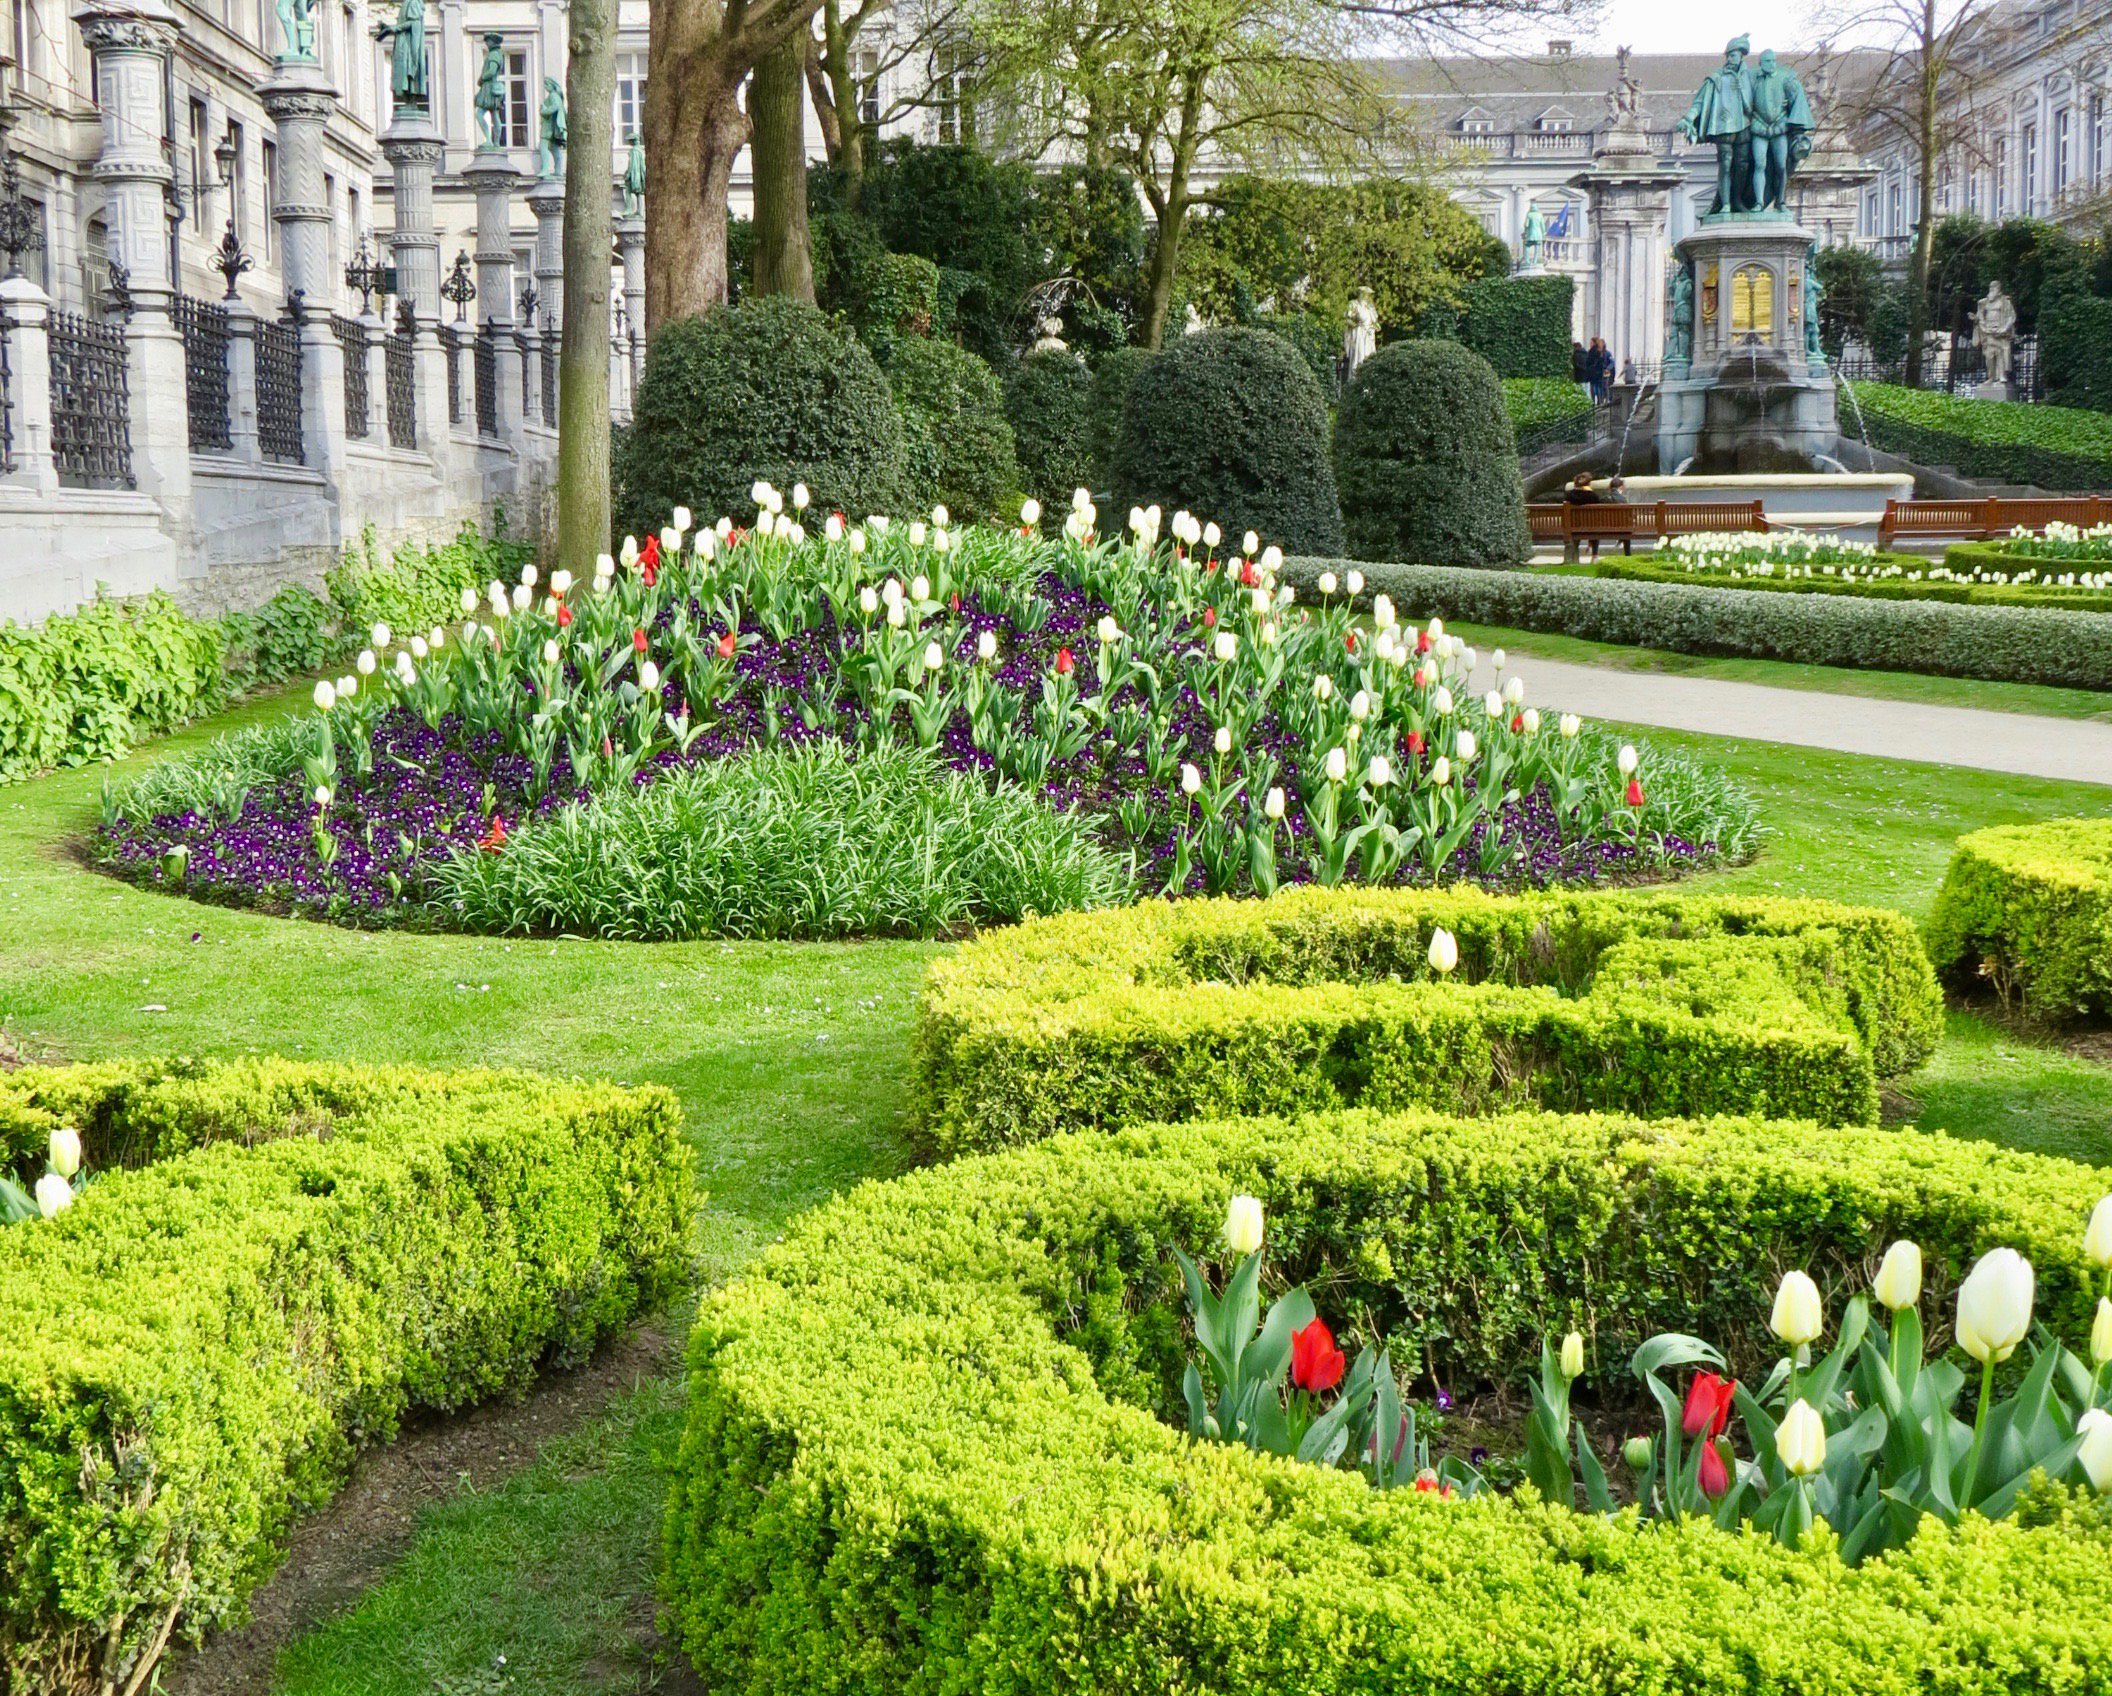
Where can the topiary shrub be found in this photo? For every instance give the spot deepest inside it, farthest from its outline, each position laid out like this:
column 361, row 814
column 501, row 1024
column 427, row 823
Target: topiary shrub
column 2075, row 347
column 1231, row 425
column 2028, row 908
column 1520, row 325
column 1427, row 461
column 1113, row 373
column 1049, row 401
column 947, row 393
column 769, row 388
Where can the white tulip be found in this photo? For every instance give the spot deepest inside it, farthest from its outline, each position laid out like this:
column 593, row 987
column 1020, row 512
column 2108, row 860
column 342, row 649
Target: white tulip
column 1222, row 741
column 670, row 540
column 1531, row 718
column 891, row 591
column 920, row 588
column 1272, row 804
column 765, row 523
column 325, row 695
column 1898, row 1281
column 1496, row 659
column 683, row 517
column 1225, row 646
column 1466, row 656
column 877, row 523
column 1572, row 1356
column 1360, row 706
column 2095, row 1450
column 347, row 687
column 379, row 635
column 1436, row 627
column 1381, row 772
column 986, row 645
column 1337, row 765
column 916, row 533
column 1260, row 601
column 1272, row 558
column 420, row 647
column 322, row 794
column 65, row 1151
column 1243, row 1225
column 760, row 492
column 550, row 651
column 469, row 600
column 1444, row 951
column 1514, row 690
column 868, row 602
column 1626, row 759
column 1108, row 630
column 1382, row 614
column 2101, row 1332
column 1356, row 582
column 857, row 541
column 1441, row 702
column 435, row 639
column 1570, row 725
column 406, row 672
column 2097, row 1239
column 648, row 676
column 1492, row 704
column 941, row 517
column 604, row 565
column 366, row 662
column 934, row 656
column 1465, row 747
column 1030, row 512
column 897, row 616
column 1081, row 498
column 940, row 541
column 1248, row 543
column 1212, row 535
column 1800, row 1440
column 1994, row 1305
column 1440, row 771
column 1191, row 779
column 1323, row 687
column 1327, row 583
column 1799, row 1316
column 628, row 553
column 54, row 1195
column 801, row 500
column 520, row 597
column 832, row 527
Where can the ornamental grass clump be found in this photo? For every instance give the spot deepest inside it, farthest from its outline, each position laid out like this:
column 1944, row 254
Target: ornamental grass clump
column 1201, row 721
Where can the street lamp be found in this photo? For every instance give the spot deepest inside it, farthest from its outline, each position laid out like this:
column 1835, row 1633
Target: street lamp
column 369, row 274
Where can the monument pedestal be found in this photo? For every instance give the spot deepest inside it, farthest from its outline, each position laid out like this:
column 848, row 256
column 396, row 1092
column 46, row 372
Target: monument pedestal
column 1992, row 391
column 1754, row 393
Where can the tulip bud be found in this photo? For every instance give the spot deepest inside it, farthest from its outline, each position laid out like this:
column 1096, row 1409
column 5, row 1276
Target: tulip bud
column 1638, row 1452
column 520, row 597
column 1248, row 543
column 1799, row 1316
column 1492, row 704
column 1355, row 582
column 1569, row 726
column 54, row 1195
column 1514, row 691
column 1272, row 804
column 1108, row 630
column 550, row 651
column 1898, row 1281
column 2095, row 1450
column 1243, row 1225
column 683, row 517
column 1440, row 771
column 1225, row 646
column 1626, row 760
column 1323, row 687
column 920, row 588
column 934, row 656
column 1466, row 747
column 1994, row 1305
column 1444, row 951
column 2101, row 1332
column 379, row 635
column 986, row 645
column 469, row 600
column 1337, row 765
column 1572, row 1360
column 65, row 1151
column 366, row 662
column 1441, row 702
column 325, row 695
column 648, row 676
column 322, row 794
column 1030, row 512
column 1212, row 535
column 800, row 498
column 1800, row 1440
column 1383, row 617
column 2097, row 1240
column 868, row 602
column 1381, row 772
column 1222, row 741
column 1529, row 721
column 1191, row 779
column 1327, row 583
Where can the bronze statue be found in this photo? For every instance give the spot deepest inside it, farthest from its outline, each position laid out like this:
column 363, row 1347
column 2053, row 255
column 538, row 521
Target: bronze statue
column 1721, row 113
column 406, row 44
column 491, row 91
column 1781, row 131
column 556, row 131
column 634, row 179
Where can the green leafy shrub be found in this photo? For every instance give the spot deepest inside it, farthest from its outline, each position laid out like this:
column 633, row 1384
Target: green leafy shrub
column 1534, row 401
column 298, row 1256
column 1049, row 401
column 967, row 213
column 884, row 296
column 2005, row 644
column 2029, row 909
column 1089, row 222
column 789, row 842
column 1427, row 461
column 1323, row 998
column 2075, row 350
column 934, row 1426
column 1894, row 577
column 951, row 397
column 1230, row 423
column 2054, row 447
column 1520, row 325
column 1113, row 373
column 1318, row 341
column 766, row 389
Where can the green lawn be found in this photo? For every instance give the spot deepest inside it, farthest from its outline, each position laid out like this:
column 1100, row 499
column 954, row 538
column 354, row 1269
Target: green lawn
column 789, row 1061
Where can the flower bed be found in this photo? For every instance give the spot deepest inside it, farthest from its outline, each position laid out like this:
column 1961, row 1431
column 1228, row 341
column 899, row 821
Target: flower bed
column 2028, row 909
column 929, row 1441
column 1318, row 999
column 293, row 1257
column 1218, row 734
column 2054, row 447
column 2007, row 644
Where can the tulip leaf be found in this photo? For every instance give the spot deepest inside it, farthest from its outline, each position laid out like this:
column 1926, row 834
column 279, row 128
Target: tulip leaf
column 1596, row 1492
column 1672, row 1349
column 1998, row 1503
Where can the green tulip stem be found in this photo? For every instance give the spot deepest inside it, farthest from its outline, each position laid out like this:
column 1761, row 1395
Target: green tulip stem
column 1893, row 1345
column 1972, row 1459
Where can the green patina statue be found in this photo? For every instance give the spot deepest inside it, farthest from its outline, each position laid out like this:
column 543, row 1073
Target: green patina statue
column 406, row 43
column 1759, row 119
column 491, row 92
column 556, row 134
column 634, row 179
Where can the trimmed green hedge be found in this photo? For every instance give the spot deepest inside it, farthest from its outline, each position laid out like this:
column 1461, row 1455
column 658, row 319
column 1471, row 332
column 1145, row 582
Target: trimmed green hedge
column 2004, row 644
column 192, row 1353
column 2054, row 447
column 2075, row 347
column 1320, row 999
column 1520, row 325
column 957, row 445
column 1643, row 568
column 929, row 1449
column 2029, row 907
column 1049, row 401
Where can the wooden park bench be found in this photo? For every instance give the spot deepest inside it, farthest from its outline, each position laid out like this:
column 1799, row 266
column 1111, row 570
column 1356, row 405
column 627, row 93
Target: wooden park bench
column 1986, row 520
column 1601, row 522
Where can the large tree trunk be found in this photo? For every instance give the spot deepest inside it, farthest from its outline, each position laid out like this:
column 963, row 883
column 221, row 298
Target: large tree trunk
column 583, row 517
column 825, row 110
column 1172, row 208
column 777, row 110
column 843, row 96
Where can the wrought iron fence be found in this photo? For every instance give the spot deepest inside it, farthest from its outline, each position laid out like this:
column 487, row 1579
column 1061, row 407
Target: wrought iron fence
column 204, row 326
column 550, row 375
column 7, row 393
column 486, row 355
column 402, row 371
column 1951, row 363
column 453, row 344
column 531, row 395
column 352, row 337
column 91, row 436
column 279, row 391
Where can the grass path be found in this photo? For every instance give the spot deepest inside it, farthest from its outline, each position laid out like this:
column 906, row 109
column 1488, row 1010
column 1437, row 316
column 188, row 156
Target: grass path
column 789, row 1061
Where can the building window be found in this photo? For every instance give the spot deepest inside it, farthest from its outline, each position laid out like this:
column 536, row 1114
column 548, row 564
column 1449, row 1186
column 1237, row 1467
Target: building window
column 336, row 236
column 2097, row 139
column 1895, row 218
column 271, row 199
column 865, row 74
column 199, row 155
column 2001, row 179
column 518, row 114
column 238, row 184
column 630, row 97
column 2028, row 169
column 2060, row 152
column 953, row 117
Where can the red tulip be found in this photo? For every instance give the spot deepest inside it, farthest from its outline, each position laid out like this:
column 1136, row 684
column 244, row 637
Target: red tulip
column 638, row 641
column 1422, row 641
column 726, row 646
column 1247, row 574
column 1350, row 641
column 564, row 616
column 1708, row 1405
column 1517, row 721
column 495, row 838
column 649, row 555
column 1209, row 618
column 652, row 575
column 1316, row 1364
column 1065, row 665
column 1715, row 1475
column 1635, row 792
column 1415, row 741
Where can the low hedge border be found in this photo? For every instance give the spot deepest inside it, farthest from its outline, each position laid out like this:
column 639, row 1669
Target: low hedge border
column 1321, row 998
column 928, row 1443
column 2001, row 644
column 2002, row 555
column 2050, row 447
column 1641, row 569
column 2029, row 908
column 191, row 1353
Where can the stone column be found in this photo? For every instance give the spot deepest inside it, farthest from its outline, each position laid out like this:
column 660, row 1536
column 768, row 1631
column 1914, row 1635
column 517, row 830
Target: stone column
column 131, row 41
column 243, row 439
column 28, row 310
column 630, row 242
column 299, row 99
column 413, row 148
column 494, row 180
column 547, row 200
column 1631, row 201
column 377, row 333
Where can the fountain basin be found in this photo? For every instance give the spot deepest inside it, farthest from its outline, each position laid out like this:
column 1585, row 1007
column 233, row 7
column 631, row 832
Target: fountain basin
column 1845, row 504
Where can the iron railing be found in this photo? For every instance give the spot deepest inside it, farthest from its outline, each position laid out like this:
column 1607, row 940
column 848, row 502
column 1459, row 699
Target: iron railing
column 352, row 337
column 1951, row 363
column 486, row 355
column 91, row 436
column 279, row 391
column 453, row 345
column 531, row 396
column 401, row 369
column 204, row 326
column 7, row 393
column 550, row 375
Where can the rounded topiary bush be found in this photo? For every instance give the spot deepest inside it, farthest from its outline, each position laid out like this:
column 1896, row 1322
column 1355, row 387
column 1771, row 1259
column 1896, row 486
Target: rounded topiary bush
column 1113, row 372
column 1427, row 460
column 769, row 388
column 1049, row 401
column 948, row 394
column 1231, row 425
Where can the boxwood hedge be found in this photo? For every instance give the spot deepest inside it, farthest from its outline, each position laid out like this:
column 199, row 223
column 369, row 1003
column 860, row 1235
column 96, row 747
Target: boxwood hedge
column 1645, row 568
column 928, row 1445
column 2029, row 907
column 275, row 1263
column 2003, row 644
column 1325, row 998
column 2053, row 447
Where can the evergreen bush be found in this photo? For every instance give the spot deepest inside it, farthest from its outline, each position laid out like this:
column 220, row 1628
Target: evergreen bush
column 1231, row 425
column 766, row 389
column 2027, row 909
column 1427, row 461
column 1049, row 401
column 950, row 396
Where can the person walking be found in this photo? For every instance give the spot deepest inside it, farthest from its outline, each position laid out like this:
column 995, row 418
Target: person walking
column 1579, row 365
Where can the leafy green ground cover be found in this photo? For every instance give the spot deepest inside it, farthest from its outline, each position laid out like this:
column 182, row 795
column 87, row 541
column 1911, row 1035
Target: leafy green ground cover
column 789, row 1060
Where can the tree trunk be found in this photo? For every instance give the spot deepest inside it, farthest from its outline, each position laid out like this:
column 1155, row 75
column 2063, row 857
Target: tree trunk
column 1172, row 208
column 844, row 97
column 826, row 112
column 583, row 516
column 1925, row 118
column 777, row 110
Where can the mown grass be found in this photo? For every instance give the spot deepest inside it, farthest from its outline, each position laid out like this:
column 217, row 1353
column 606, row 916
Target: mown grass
column 789, row 1060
